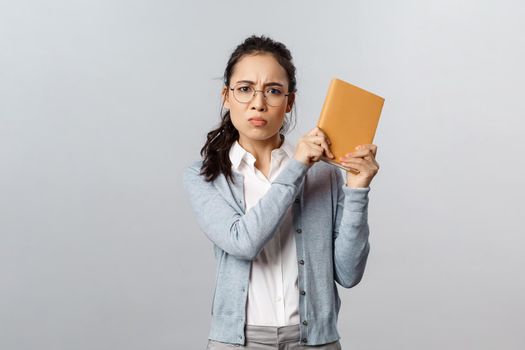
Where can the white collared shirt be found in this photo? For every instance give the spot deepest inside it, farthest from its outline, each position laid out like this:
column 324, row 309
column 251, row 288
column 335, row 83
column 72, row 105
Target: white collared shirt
column 273, row 294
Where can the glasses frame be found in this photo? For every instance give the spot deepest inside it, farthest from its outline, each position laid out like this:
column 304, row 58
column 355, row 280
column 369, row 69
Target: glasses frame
column 254, row 93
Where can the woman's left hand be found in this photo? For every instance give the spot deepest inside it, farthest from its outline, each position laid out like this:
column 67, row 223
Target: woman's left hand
column 363, row 160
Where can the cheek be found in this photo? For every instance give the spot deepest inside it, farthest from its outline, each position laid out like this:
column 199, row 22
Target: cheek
column 282, row 115
column 236, row 119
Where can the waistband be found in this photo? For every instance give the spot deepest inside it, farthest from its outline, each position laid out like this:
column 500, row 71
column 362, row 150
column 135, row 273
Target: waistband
column 272, row 335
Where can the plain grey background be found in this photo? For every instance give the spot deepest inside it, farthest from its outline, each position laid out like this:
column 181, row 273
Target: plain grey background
column 104, row 102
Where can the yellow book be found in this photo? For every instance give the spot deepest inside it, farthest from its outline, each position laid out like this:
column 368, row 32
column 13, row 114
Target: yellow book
column 349, row 118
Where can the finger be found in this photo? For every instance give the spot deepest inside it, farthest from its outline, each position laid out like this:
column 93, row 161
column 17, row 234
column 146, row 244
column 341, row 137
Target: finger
column 355, row 168
column 323, row 142
column 326, row 146
column 362, row 165
column 327, row 150
column 370, row 156
column 319, row 132
column 370, row 146
column 315, row 138
column 359, row 161
column 316, row 149
column 316, row 152
column 314, row 131
column 361, row 153
column 355, row 165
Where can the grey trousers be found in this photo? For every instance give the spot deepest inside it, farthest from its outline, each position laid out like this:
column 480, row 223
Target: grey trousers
column 272, row 338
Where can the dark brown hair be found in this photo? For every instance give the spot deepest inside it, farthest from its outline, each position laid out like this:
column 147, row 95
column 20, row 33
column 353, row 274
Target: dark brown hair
column 216, row 150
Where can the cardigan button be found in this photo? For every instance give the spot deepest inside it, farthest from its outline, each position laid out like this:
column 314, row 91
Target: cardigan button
column 304, row 340
column 303, row 292
column 296, row 200
column 305, row 323
column 299, row 230
column 301, row 262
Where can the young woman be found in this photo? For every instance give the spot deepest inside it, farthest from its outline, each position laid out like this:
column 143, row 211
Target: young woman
column 285, row 227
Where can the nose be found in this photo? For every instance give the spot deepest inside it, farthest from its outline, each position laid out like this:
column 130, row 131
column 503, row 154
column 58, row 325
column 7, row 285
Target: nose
column 258, row 101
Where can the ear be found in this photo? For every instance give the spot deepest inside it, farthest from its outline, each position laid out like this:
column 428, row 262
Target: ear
column 289, row 104
column 225, row 97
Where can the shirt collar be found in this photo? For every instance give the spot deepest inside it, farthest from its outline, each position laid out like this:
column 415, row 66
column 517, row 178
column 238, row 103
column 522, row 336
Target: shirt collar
column 238, row 154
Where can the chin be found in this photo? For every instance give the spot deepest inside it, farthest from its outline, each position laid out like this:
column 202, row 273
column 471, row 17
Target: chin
column 260, row 135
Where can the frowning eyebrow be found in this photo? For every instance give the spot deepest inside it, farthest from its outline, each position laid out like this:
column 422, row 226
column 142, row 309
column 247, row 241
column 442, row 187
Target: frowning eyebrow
column 272, row 83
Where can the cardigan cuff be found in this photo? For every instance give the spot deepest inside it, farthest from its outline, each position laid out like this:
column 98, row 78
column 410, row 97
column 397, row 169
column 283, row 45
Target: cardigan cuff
column 293, row 173
column 356, row 198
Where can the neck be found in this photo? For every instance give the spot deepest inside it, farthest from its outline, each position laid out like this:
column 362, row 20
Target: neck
column 261, row 149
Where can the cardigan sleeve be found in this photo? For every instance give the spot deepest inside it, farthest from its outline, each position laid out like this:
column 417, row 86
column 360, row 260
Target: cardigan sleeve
column 238, row 234
column 350, row 234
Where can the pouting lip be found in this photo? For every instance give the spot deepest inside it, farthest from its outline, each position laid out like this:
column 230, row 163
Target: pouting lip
column 257, row 119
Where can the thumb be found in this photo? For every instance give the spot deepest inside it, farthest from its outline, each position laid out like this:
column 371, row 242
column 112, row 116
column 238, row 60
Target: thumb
column 314, row 131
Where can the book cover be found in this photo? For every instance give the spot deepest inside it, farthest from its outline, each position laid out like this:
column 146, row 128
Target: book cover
column 349, row 118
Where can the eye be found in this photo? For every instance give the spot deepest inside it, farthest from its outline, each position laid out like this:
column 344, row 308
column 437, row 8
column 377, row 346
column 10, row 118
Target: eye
column 244, row 89
column 274, row 91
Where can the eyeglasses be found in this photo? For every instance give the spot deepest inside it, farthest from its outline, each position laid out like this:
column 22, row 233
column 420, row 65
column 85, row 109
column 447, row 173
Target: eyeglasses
column 274, row 96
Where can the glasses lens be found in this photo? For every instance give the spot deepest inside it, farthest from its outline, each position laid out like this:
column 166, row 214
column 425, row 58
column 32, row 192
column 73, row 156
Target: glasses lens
column 274, row 96
column 243, row 93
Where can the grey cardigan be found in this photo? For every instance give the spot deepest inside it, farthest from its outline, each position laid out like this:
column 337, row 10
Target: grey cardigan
column 331, row 233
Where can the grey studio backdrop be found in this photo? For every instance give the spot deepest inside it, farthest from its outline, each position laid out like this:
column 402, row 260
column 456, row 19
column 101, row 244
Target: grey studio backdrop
column 104, row 103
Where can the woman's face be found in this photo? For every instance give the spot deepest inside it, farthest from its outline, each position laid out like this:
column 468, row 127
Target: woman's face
column 256, row 120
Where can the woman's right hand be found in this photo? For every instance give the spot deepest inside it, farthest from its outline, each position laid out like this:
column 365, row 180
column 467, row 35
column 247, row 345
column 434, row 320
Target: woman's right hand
column 312, row 146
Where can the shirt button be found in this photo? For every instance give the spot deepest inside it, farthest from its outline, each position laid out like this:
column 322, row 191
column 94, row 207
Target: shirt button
column 303, row 292
column 299, row 230
column 305, row 323
column 301, row 262
column 304, row 340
